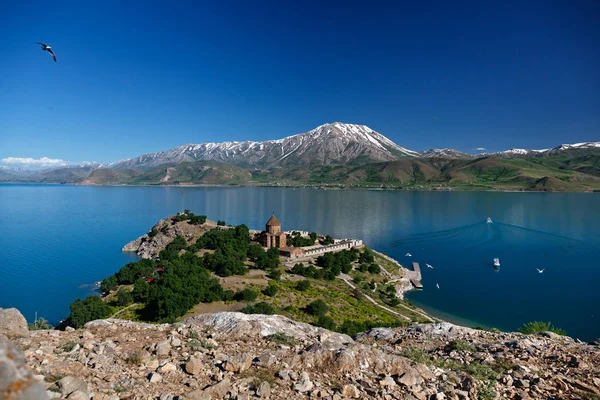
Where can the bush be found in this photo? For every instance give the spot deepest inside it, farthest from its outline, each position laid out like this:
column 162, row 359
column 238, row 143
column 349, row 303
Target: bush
column 534, row 327
column 366, row 256
column 153, row 232
column 271, row 290
column 374, row 268
column 90, row 309
column 221, row 223
column 246, row 295
column 40, row 324
column 461, row 345
column 363, row 267
column 303, row 286
column 259, row 308
column 275, row 274
column 326, row 322
column 327, row 241
column 317, row 308
column 124, row 298
column 282, row 338
column 108, row 284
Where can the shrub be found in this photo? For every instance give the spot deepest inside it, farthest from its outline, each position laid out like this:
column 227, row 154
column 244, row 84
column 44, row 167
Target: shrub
column 363, row 267
column 271, row 290
column 317, row 308
column 328, row 240
column 374, row 268
column 153, row 232
column 134, row 358
column 326, row 322
column 303, row 286
column 221, row 223
column 108, row 284
column 40, row 324
column 275, row 274
column 461, row 345
column 259, row 308
column 366, row 256
column 124, row 298
column 246, row 294
column 416, row 354
column 282, row 338
column 534, row 327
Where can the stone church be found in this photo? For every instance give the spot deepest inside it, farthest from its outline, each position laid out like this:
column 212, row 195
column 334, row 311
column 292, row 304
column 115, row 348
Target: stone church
column 273, row 237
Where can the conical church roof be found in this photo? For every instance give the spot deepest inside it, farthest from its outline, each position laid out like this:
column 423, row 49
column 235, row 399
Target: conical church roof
column 273, row 221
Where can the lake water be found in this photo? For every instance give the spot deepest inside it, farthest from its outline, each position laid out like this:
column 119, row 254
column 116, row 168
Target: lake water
column 56, row 240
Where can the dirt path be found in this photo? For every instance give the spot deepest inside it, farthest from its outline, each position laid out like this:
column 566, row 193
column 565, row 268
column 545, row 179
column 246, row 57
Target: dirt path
column 123, row 309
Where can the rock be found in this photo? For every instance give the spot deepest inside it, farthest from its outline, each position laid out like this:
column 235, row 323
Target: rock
column 264, row 390
column 70, row 384
column 168, row 367
column 305, row 383
column 350, row 391
column 551, row 335
column 155, row 377
column 521, row 383
column 218, row 390
column 152, row 364
column 409, row 379
column 78, row 395
column 238, row 363
column 283, row 374
column 12, row 323
column 163, row 349
column 175, row 342
column 15, row 380
column 193, row 366
column 440, row 396
column 388, row 381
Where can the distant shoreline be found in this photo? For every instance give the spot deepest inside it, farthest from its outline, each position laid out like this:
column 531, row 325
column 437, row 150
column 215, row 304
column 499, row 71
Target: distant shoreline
column 314, row 187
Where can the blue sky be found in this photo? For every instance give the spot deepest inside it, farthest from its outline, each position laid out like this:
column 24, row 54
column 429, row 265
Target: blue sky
column 133, row 77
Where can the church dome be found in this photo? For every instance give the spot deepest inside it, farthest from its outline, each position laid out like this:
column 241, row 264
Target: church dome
column 273, row 221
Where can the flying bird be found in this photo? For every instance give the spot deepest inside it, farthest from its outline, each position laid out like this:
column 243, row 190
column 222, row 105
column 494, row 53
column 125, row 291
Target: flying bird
column 47, row 48
column 434, row 118
column 540, row 270
column 429, row 265
column 437, row 285
column 408, row 255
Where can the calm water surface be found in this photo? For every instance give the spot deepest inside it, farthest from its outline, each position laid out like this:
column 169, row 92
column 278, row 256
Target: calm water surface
column 56, row 240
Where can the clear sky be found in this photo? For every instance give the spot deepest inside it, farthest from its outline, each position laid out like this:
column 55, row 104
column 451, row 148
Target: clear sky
column 136, row 77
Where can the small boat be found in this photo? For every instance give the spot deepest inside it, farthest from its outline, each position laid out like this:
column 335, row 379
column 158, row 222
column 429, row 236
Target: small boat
column 489, row 220
column 496, row 262
column 408, row 255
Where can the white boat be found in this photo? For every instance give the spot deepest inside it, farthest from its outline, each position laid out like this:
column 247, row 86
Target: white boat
column 489, row 220
column 496, row 262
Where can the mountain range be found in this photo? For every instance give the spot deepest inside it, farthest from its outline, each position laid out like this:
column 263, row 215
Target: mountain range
column 340, row 154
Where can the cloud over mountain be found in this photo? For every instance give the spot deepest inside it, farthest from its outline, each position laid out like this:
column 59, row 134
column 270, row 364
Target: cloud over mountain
column 28, row 162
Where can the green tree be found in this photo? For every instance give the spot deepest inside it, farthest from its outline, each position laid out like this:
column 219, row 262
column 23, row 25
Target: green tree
column 303, row 285
column 271, row 290
column 366, row 256
column 124, row 297
column 326, row 322
column 108, row 284
column 246, row 294
column 90, row 309
column 317, row 308
column 221, row 223
column 259, row 308
column 374, row 268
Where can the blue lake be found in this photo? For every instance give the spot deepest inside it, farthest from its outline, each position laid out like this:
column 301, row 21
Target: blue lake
column 56, row 240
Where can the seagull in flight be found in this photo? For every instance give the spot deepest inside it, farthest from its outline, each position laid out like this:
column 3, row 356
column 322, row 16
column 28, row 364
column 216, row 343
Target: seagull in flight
column 408, row 255
column 437, row 285
column 47, row 48
column 540, row 270
column 429, row 265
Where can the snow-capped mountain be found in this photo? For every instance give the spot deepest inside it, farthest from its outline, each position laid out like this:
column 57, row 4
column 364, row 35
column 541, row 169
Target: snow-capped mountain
column 529, row 152
column 327, row 144
column 444, row 153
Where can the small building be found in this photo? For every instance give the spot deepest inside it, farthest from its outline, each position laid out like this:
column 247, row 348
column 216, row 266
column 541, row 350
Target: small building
column 291, row 252
column 273, row 236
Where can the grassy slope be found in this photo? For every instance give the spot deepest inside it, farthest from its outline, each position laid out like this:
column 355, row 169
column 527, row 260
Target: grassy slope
column 563, row 171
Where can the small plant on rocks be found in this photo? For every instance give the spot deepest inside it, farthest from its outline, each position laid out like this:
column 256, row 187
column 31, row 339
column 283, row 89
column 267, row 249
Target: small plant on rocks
column 461, row 345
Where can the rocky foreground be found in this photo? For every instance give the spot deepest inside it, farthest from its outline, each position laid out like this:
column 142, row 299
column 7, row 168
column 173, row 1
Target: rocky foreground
column 239, row 356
